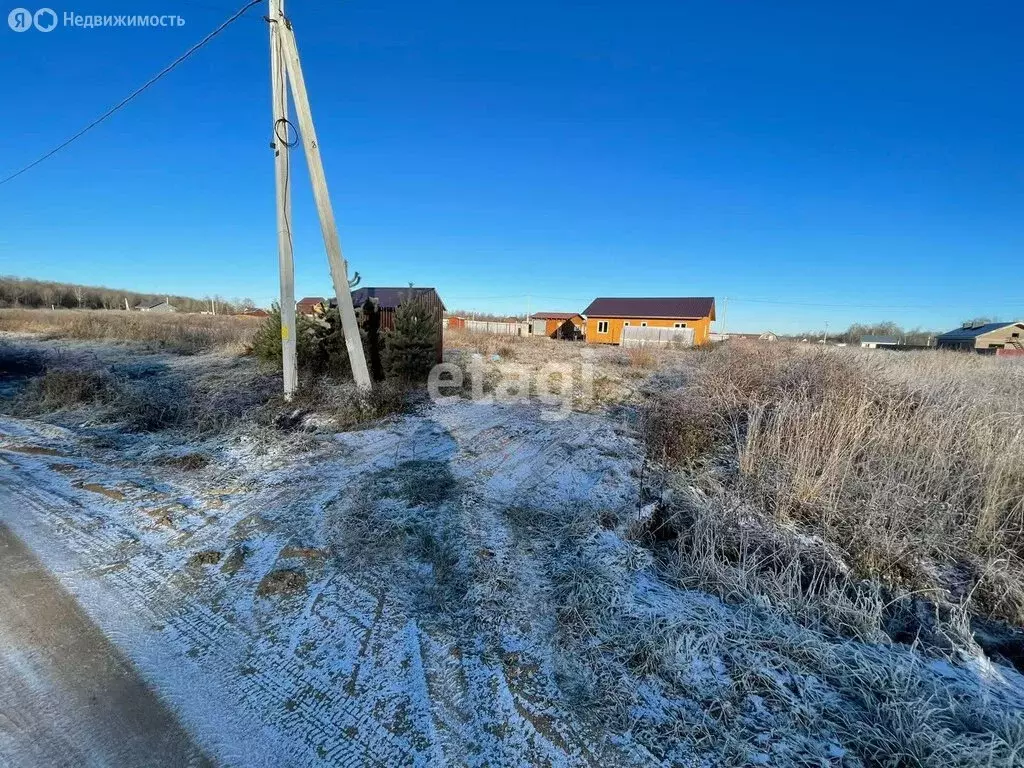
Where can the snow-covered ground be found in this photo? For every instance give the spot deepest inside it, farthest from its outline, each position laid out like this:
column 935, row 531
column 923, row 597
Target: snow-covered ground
column 408, row 594
column 340, row 669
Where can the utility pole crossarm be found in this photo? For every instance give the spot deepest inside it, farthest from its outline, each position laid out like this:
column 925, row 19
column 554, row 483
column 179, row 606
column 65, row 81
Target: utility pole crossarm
column 328, row 226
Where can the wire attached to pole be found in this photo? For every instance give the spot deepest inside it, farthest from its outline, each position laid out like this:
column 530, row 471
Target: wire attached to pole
column 166, row 70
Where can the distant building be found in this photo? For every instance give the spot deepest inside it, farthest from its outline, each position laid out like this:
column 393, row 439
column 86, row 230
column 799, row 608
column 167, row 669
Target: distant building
column 557, row 325
column 308, row 305
column 454, row 322
column 156, row 306
column 607, row 317
column 878, row 342
column 983, row 337
column 766, row 336
column 388, row 300
column 256, row 312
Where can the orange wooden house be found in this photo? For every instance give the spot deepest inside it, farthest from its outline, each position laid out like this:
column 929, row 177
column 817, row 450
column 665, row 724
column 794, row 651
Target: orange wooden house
column 557, row 325
column 606, row 317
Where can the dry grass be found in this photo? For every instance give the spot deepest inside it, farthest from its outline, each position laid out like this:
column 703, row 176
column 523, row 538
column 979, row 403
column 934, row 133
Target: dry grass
column 616, row 374
column 342, row 405
column 642, row 357
column 62, row 388
column 911, row 465
column 182, row 333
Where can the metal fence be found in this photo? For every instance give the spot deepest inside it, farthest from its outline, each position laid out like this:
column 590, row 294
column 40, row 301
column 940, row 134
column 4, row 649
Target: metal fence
column 639, row 336
column 503, row 329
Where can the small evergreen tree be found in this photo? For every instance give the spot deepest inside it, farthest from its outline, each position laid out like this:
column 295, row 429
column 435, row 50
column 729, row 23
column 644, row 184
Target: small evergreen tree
column 331, row 350
column 410, row 349
column 266, row 344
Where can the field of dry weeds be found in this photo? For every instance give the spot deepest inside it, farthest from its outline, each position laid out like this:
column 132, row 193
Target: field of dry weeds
column 181, row 333
column 753, row 554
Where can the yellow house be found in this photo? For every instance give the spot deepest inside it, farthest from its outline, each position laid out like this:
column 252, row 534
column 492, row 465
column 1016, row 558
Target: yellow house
column 606, row 317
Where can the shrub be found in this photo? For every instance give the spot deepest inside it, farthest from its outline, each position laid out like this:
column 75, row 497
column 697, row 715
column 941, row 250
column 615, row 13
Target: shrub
column 410, row 349
column 347, row 406
column 641, row 357
column 68, row 388
column 680, row 428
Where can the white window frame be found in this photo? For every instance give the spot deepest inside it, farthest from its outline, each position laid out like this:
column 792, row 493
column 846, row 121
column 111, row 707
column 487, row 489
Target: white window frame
column 626, row 323
column 643, row 324
column 602, row 326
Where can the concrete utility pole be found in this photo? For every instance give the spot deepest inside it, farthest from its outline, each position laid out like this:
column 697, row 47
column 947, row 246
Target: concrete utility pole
column 288, row 51
column 285, row 261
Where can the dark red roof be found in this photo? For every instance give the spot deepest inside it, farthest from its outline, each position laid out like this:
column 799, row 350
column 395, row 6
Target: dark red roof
column 554, row 315
column 688, row 307
column 311, row 300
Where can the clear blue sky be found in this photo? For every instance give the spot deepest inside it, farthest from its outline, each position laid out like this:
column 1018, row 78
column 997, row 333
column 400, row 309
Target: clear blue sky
column 866, row 154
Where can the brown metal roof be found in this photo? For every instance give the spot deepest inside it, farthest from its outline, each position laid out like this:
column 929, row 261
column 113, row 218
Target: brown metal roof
column 689, row 307
column 554, row 315
column 390, row 298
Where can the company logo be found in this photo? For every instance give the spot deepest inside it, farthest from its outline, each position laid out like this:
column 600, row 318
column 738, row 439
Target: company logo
column 45, row 20
column 22, row 19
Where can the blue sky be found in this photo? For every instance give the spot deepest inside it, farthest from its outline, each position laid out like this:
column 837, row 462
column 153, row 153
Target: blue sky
column 811, row 161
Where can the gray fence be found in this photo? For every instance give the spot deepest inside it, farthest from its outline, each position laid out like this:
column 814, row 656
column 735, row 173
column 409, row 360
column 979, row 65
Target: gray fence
column 640, row 336
column 503, row 329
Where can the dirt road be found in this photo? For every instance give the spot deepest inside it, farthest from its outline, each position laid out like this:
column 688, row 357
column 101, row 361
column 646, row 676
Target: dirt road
column 67, row 696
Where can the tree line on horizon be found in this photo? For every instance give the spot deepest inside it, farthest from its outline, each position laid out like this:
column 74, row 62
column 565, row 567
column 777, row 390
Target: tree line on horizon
column 29, row 293
column 917, row 336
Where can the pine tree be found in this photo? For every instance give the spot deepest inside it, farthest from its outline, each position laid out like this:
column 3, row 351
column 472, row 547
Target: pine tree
column 411, row 347
column 266, row 344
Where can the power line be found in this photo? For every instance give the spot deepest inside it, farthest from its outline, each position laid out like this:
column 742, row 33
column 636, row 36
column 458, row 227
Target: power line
column 173, row 65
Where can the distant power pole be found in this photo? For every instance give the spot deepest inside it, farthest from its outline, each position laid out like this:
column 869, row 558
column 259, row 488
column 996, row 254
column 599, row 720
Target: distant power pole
column 285, row 66
column 825, row 340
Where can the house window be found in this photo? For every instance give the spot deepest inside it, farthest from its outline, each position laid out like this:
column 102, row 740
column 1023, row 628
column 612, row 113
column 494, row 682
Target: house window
column 602, row 326
column 627, row 323
column 678, row 325
column 1014, row 335
column 643, row 324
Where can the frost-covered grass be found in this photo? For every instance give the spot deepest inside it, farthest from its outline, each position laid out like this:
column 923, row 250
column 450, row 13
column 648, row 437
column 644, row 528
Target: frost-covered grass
column 747, row 684
column 203, row 394
column 483, row 585
column 910, row 466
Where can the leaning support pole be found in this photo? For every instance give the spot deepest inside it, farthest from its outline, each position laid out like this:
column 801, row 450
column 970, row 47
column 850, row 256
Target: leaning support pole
column 285, row 259
column 339, row 269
